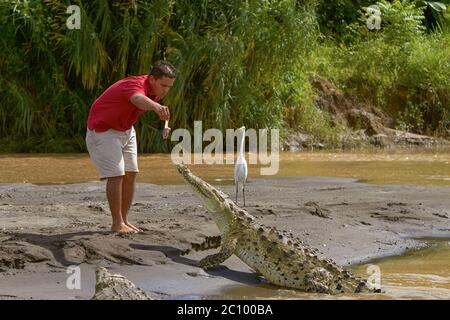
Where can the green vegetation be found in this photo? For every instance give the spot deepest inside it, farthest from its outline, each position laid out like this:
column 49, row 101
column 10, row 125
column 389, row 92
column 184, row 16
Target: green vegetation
column 404, row 69
column 240, row 63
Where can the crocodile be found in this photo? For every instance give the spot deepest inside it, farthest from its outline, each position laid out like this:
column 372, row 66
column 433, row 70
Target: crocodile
column 278, row 256
column 116, row 287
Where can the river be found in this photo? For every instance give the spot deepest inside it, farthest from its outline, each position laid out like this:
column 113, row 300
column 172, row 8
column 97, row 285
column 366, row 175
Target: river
column 429, row 167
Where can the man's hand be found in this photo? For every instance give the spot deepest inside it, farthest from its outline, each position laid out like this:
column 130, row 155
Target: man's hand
column 162, row 111
column 145, row 103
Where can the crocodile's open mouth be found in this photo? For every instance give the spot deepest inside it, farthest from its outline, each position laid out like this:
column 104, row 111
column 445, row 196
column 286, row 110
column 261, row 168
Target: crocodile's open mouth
column 194, row 181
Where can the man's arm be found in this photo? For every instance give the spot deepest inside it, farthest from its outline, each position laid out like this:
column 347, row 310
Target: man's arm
column 145, row 103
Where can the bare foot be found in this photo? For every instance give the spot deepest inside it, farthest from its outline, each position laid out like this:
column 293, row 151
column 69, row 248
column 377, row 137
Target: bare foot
column 136, row 229
column 122, row 228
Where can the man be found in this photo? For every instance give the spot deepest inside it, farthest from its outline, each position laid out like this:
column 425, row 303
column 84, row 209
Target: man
column 111, row 138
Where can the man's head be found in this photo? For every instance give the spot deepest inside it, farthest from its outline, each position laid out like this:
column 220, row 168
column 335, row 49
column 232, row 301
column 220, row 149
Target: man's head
column 161, row 78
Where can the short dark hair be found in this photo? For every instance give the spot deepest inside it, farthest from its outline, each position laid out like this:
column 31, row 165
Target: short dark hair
column 163, row 68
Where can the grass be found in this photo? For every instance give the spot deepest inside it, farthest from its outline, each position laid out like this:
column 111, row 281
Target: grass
column 240, row 63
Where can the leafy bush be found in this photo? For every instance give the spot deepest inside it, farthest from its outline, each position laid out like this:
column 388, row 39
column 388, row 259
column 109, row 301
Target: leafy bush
column 400, row 68
column 240, row 63
column 234, row 59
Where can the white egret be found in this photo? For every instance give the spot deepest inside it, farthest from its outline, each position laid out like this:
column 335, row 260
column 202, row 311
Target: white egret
column 240, row 168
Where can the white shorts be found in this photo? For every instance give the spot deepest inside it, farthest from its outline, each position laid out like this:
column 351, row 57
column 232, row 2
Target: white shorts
column 113, row 152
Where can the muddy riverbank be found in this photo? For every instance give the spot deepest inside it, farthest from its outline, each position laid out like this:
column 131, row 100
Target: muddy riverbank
column 46, row 228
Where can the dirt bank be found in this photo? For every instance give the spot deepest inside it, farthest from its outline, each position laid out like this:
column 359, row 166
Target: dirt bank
column 44, row 229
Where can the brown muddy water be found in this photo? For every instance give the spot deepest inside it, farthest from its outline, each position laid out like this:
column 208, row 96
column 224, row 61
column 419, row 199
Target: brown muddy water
column 419, row 274
column 428, row 167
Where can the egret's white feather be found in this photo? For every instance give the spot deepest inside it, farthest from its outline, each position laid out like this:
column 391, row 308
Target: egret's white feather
column 240, row 168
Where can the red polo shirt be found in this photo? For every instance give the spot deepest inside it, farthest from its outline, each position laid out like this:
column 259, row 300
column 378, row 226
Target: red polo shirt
column 113, row 109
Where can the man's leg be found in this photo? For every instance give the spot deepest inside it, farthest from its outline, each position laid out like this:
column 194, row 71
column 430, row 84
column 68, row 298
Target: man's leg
column 105, row 150
column 128, row 185
column 114, row 195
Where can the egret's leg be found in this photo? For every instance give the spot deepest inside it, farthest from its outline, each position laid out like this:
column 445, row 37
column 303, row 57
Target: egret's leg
column 237, row 189
column 243, row 191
